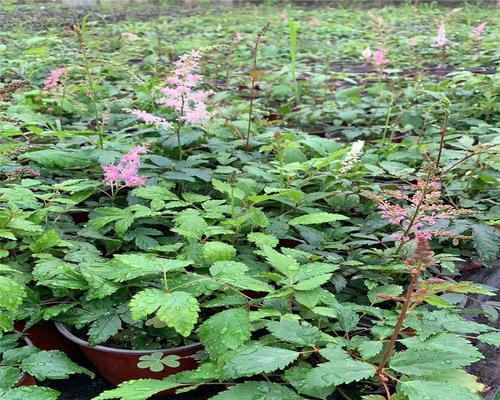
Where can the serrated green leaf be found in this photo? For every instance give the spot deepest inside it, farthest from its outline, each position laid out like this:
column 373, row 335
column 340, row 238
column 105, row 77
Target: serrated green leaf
column 370, row 348
column 292, row 331
column 297, row 377
column 9, row 376
column 11, row 294
column 261, row 239
column 255, row 391
column 179, row 310
column 339, row 370
column 457, row 377
column 103, row 328
column 317, row 218
column 151, row 263
column 31, row 393
column 190, row 225
column 427, row 390
column 226, row 330
column 228, row 268
column 218, row 251
column 436, row 354
column 284, row 264
column 51, row 364
column 141, row 389
column 486, row 242
column 492, row 338
column 256, row 359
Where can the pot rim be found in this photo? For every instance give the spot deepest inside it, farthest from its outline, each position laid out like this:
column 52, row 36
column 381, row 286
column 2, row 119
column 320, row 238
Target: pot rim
column 24, row 375
column 66, row 332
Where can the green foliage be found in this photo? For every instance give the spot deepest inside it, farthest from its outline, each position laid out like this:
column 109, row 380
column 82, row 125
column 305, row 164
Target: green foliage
column 225, row 331
column 418, row 390
column 178, row 310
column 255, row 359
column 141, row 389
column 51, row 364
column 257, row 391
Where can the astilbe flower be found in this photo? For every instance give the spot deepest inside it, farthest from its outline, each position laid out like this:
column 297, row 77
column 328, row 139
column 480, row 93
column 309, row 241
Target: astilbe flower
column 313, row 22
column 180, row 93
column 53, row 79
column 441, row 40
column 150, row 118
column 477, row 32
column 417, row 213
column 379, row 57
column 126, row 172
column 352, row 157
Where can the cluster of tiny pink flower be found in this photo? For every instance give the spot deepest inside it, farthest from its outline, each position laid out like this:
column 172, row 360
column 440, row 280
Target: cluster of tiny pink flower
column 150, row 118
column 425, row 202
column 441, row 40
column 126, row 173
column 477, row 32
column 53, row 79
column 378, row 57
column 180, row 93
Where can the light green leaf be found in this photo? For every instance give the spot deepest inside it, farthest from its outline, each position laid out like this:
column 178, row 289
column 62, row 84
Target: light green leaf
column 492, row 338
column 317, row 218
column 292, row 331
column 339, row 370
column 423, row 390
column 141, row 389
column 218, row 251
column 31, row 393
column 51, row 364
column 284, row 264
column 179, row 310
column 190, row 225
column 256, row 359
column 261, row 239
column 457, row 377
column 11, row 294
column 256, row 391
column 151, row 264
column 226, row 330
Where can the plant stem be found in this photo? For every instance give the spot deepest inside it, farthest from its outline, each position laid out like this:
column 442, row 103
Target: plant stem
column 165, row 282
column 441, row 143
column 399, row 325
column 254, row 79
column 92, row 92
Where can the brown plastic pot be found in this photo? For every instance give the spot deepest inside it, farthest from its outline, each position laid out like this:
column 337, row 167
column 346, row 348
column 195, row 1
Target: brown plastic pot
column 25, row 379
column 45, row 336
column 120, row 365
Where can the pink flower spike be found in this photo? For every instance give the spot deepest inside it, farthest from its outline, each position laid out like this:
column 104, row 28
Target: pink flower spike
column 477, row 32
column 150, row 118
column 53, row 79
column 313, row 22
column 441, row 36
column 126, row 172
column 180, row 91
column 379, row 57
column 412, row 42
